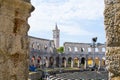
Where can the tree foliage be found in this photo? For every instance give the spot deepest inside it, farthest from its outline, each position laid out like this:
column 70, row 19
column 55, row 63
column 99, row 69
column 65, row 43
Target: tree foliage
column 61, row 49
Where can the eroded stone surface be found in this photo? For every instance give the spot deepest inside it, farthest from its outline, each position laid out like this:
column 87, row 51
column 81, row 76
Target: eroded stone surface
column 112, row 27
column 14, row 39
column 112, row 22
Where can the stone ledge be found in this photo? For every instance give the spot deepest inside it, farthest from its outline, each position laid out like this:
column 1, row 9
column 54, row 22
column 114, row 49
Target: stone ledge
column 35, row 75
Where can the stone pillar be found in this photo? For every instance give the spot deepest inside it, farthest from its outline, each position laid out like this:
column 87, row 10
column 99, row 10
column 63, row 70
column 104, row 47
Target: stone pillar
column 86, row 62
column 48, row 62
column 14, row 45
column 71, row 63
column 78, row 63
column 34, row 62
column 54, row 64
column 85, row 65
column 112, row 28
column 65, row 63
column 99, row 66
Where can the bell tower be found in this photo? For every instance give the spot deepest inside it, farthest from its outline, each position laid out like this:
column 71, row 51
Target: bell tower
column 56, row 36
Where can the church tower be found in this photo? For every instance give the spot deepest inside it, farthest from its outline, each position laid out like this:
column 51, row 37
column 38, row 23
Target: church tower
column 56, row 36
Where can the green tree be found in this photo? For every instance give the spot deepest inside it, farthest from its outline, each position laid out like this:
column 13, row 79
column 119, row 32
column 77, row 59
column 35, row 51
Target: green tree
column 61, row 49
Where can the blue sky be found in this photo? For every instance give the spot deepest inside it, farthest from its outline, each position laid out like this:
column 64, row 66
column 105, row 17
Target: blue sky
column 78, row 20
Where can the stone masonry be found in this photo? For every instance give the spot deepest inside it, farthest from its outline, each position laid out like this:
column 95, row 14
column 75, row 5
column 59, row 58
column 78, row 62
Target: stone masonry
column 14, row 39
column 112, row 27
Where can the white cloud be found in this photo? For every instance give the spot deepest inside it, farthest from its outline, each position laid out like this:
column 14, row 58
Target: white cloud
column 48, row 12
column 74, row 31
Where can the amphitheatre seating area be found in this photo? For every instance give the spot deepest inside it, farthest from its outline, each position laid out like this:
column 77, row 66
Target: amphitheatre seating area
column 85, row 75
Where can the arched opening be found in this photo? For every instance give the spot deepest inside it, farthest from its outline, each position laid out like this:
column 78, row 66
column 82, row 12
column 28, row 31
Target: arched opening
column 103, row 49
column 90, row 61
column 103, row 61
column 51, row 61
column 38, row 61
column 75, row 49
column 37, row 45
column 69, row 62
column 82, row 49
column 82, row 64
column 96, row 50
column 69, row 49
column 33, row 61
column 76, row 62
column 82, row 60
column 89, row 49
column 63, row 62
column 46, row 62
column 57, row 60
column 33, row 45
column 97, row 61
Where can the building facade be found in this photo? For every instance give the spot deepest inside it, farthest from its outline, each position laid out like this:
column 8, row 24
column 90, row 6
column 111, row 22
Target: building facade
column 43, row 52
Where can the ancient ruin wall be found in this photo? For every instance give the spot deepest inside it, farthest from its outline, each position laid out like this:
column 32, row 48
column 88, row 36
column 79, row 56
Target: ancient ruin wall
column 14, row 39
column 112, row 27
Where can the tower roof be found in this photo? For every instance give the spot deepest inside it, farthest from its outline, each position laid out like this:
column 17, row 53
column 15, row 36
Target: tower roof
column 56, row 27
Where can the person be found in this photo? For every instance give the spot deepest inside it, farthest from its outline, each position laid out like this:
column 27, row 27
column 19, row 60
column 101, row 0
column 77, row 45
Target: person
column 43, row 75
column 32, row 68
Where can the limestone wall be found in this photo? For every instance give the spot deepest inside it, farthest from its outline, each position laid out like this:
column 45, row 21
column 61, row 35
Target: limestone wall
column 82, row 47
column 35, row 75
column 14, row 39
column 112, row 27
column 41, row 45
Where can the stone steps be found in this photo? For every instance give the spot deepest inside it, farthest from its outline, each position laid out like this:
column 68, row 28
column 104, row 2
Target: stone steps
column 79, row 76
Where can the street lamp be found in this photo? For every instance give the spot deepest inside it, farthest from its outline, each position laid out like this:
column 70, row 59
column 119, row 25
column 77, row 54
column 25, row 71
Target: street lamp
column 59, row 62
column 94, row 40
column 45, row 68
column 45, row 63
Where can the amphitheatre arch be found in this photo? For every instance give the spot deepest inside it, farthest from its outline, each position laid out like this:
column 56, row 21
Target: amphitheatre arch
column 76, row 62
column 58, row 61
column 51, row 61
column 69, row 62
column 83, row 60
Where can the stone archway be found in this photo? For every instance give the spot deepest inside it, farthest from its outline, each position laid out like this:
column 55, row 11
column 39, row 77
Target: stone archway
column 58, row 61
column 69, row 62
column 90, row 61
column 38, row 61
column 63, row 62
column 97, row 60
column 103, row 62
column 83, row 60
column 46, row 62
column 76, row 62
column 51, row 62
column 33, row 61
column 83, row 63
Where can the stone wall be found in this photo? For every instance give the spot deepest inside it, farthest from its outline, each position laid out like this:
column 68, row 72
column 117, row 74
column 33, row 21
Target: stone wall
column 14, row 39
column 35, row 75
column 112, row 27
column 83, row 47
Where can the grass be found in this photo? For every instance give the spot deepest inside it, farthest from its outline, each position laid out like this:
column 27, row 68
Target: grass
column 57, row 69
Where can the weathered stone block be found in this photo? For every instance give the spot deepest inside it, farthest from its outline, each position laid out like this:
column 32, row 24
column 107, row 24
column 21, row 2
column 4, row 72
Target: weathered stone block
column 14, row 39
column 112, row 23
column 112, row 28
